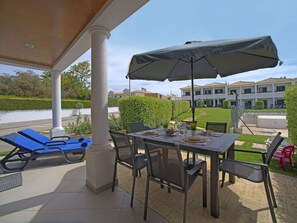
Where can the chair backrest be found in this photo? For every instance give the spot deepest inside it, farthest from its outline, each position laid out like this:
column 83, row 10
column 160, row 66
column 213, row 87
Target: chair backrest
column 136, row 127
column 22, row 142
column 216, row 126
column 288, row 151
column 34, row 135
column 122, row 146
column 273, row 147
column 164, row 162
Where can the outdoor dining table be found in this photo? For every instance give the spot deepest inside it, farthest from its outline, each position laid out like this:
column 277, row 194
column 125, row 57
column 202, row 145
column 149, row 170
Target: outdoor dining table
column 212, row 145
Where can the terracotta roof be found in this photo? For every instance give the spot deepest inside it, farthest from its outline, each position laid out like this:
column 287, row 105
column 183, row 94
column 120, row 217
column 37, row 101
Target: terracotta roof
column 189, row 87
column 273, row 80
column 214, row 84
column 242, row 83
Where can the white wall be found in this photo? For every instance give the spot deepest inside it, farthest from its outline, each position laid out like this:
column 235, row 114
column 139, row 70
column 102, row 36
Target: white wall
column 28, row 115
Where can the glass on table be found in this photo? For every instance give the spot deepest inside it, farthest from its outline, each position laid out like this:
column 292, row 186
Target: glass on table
column 182, row 129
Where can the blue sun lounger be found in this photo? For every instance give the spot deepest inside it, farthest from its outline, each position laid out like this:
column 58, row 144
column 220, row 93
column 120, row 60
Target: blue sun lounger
column 58, row 140
column 27, row 149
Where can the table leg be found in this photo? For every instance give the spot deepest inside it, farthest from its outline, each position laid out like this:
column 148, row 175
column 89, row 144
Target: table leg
column 231, row 156
column 214, row 185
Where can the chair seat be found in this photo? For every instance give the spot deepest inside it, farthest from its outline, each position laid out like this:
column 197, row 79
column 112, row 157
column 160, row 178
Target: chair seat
column 190, row 163
column 242, row 170
column 140, row 161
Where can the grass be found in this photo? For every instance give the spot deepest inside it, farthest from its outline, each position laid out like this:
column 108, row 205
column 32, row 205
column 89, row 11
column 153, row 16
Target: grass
column 274, row 165
column 3, row 153
column 203, row 115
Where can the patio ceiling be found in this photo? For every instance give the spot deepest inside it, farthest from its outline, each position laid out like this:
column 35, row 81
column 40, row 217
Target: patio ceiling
column 52, row 34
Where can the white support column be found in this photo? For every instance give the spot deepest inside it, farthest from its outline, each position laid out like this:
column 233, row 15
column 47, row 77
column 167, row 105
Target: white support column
column 100, row 156
column 240, row 97
column 57, row 129
column 213, row 97
column 273, row 95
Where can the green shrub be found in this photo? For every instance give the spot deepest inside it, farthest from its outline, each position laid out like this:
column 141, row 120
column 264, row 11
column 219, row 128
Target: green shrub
column 291, row 103
column 79, row 127
column 151, row 111
column 115, row 124
column 226, row 104
column 200, row 104
column 259, row 104
column 113, row 102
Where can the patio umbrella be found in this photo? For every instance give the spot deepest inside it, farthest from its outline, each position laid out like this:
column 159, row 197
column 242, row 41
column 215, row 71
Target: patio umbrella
column 197, row 60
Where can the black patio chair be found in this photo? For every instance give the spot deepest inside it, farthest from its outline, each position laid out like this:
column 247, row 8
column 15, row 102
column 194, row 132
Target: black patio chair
column 216, row 126
column 126, row 156
column 210, row 126
column 137, row 127
column 165, row 164
column 255, row 172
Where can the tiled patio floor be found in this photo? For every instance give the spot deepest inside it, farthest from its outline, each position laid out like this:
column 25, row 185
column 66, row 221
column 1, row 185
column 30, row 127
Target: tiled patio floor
column 55, row 192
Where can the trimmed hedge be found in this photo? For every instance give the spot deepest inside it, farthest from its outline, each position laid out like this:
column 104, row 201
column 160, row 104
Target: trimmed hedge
column 13, row 103
column 291, row 104
column 226, row 104
column 179, row 107
column 200, row 104
column 113, row 102
column 152, row 112
column 259, row 104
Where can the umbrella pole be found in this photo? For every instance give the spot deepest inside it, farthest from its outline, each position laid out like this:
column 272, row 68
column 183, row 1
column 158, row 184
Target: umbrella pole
column 192, row 83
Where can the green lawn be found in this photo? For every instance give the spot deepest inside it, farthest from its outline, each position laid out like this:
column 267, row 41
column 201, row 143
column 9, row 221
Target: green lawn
column 203, row 115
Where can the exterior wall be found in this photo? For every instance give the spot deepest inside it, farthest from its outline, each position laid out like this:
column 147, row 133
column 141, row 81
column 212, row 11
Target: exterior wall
column 29, row 115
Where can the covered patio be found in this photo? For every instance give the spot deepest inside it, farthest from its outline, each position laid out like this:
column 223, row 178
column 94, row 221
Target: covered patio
column 50, row 36
column 53, row 191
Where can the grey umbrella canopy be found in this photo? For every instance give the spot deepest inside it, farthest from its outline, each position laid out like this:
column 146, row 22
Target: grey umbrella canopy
column 207, row 59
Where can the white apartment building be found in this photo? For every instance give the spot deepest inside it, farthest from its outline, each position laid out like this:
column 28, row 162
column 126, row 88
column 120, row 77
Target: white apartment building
column 270, row 90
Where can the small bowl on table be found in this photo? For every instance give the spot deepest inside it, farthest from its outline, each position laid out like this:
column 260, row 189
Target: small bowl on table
column 170, row 132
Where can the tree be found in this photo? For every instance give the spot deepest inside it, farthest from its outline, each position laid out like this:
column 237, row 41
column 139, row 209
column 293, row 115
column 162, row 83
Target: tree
column 24, row 84
column 6, row 84
column 76, row 81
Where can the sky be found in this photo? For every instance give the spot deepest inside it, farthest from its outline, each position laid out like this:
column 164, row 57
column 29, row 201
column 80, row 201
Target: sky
column 164, row 23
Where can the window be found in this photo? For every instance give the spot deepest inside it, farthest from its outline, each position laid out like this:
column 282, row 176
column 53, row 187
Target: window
column 197, row 92
column 247, row 91
column 280, row 88
column 262, row 89
column 219, row 91
column 207, row 92
column 187, row 93
column 233, row 91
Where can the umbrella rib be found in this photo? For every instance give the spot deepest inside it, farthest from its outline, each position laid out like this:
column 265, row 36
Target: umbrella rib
column 174, row 68
column 140, row 68
column 211, row 65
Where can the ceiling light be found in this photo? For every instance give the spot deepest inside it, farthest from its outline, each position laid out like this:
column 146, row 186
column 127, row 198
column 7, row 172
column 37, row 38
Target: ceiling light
column 29, row 45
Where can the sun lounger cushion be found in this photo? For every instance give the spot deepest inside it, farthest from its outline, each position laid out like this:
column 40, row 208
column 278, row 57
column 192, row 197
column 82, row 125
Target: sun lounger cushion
column 36, row 136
